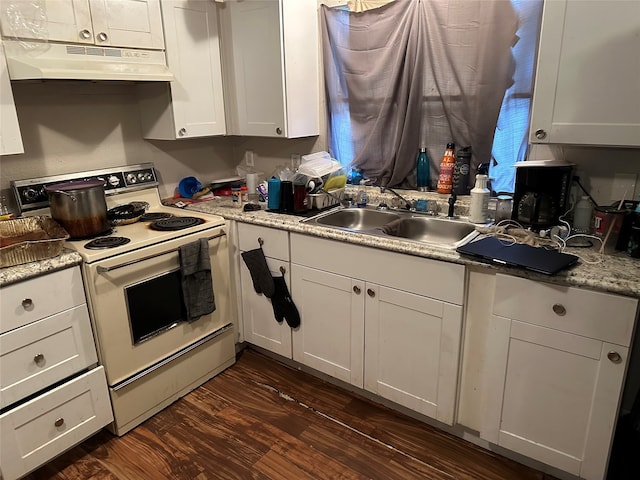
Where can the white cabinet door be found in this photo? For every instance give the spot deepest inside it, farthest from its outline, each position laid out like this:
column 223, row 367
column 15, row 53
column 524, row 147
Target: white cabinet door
column 412, row 350
column 271, row 67
column 587, row 89
column 330, row 337
column 48, row 20
column 10, row 137
column 127, row 23
column 192, row 105
column 260, row 325
column 552, row 396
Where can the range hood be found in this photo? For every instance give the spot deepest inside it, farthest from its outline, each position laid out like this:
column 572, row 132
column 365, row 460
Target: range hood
column 85, row 62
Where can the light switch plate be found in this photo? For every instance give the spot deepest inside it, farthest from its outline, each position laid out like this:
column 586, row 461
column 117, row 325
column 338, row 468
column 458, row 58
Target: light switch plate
column 624, row 185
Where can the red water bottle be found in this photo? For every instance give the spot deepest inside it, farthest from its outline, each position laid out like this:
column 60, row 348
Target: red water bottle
column 447, row 165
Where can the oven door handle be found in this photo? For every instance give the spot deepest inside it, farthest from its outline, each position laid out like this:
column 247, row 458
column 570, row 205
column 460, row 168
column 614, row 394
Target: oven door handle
column 101, row 269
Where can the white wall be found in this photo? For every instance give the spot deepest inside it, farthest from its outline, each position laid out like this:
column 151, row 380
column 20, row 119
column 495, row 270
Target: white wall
column 72, row 126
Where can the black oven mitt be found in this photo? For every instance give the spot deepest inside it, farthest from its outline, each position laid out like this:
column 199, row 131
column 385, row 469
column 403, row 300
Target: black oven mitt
column 259, row 270
column 283, row 306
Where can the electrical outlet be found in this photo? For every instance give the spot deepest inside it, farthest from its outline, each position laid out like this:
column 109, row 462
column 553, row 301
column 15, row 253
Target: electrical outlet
column 248, row 158
column 295, row 161
column 623, row 186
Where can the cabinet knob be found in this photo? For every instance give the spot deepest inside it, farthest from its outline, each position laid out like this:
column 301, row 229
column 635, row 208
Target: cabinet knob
column 102, row 37
column 27, row 304
column 356, row 290
column 38, row 359
column 85, row 34
column 541, row 134
column 59, row 422
column 371, row 292
column 182, row 132
column 279, row 131
column 559, row 309
column 283, row 270
column 615, row 357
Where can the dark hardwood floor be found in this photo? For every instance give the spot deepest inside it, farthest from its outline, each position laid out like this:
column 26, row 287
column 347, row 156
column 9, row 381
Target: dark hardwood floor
column 263, row 420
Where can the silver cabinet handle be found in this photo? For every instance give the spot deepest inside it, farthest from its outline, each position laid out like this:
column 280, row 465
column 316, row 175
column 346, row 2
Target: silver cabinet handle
column 615, row 357
column 85, row 34
column 27, row 303
column 356, row 290
column 279, row 131
column 103, row 37
column 541, row 134
column 559, row 309
column 371, row 292
column 38, row 359
column 59, row 422
column 182, row 132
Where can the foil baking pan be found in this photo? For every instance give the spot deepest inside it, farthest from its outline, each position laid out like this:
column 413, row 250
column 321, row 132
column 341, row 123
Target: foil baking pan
column 30, row 239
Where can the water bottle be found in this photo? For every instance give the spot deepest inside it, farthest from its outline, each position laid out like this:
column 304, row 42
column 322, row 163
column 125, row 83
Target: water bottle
column 461, row 171
column 582, row 216
column 423, row 171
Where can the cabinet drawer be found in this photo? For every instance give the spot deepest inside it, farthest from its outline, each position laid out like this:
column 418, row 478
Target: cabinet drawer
column 597, row 315
column 33, row 299
column 46, row 426
column 275, row 243
column 44, row 352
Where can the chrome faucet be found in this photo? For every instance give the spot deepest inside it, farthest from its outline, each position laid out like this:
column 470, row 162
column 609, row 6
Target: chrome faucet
column 409, row 205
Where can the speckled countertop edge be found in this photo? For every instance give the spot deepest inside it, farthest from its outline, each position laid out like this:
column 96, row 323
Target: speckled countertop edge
column 616, row 273
column 18, row 273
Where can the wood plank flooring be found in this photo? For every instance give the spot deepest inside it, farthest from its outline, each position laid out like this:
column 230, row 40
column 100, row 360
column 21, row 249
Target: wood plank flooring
column 261, row 419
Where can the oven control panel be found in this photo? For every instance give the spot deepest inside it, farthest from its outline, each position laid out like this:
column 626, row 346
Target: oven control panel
column 31, row 194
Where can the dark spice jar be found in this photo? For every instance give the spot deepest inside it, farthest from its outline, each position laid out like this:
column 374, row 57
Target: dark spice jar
column 79, row 207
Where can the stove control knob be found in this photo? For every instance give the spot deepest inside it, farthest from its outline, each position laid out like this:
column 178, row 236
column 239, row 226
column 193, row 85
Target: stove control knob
column 113, row 181
column 131, row 178
column 141, row 177
column 30, row 194
column 148, row 177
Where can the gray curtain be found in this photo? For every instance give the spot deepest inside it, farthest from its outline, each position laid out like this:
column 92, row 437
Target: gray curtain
column 415, row 73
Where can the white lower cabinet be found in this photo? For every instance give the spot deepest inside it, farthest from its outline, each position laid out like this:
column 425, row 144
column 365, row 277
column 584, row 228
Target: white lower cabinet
column 383, row 321
column 52, row 393
column 412, row 350
column 556, row 360
column 258, row 321
column 330, row 337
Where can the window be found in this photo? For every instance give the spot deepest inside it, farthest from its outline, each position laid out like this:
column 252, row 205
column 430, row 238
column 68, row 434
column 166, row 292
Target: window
column 424, row 73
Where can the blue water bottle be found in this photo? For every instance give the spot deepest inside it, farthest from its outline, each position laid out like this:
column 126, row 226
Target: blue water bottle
column 423, row 171
column 273, row 194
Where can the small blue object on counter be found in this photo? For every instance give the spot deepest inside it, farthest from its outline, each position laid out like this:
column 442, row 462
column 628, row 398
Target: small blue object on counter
column 189, row 186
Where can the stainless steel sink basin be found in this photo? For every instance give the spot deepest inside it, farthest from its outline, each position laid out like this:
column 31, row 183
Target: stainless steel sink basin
column 432, row 230
column 357, row 218
column 413, row 226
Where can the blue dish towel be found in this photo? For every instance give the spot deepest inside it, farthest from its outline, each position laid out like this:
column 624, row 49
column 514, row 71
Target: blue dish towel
column 197, row 283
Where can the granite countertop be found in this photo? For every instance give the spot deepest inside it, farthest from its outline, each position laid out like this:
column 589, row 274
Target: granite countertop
column 615, row 273
column 18, row 273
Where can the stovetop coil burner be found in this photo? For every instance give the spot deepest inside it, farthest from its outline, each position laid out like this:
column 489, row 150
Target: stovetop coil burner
column 106, row 242
column 153, row 216
column 176, row 223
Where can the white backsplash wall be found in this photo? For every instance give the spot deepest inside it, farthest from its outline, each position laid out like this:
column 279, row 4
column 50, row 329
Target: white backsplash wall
column 71, row 126
column 604, row 171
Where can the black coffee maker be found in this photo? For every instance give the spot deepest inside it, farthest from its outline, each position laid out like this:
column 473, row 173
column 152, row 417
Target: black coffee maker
column 541, row 193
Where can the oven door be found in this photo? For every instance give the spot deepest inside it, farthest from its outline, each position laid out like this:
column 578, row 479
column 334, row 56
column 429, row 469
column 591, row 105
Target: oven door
column 137, row 305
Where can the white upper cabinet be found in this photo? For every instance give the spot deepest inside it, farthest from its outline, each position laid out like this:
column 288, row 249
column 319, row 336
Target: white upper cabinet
column 271, row 64
column 114, row 23
column 10, row 138
column 587, row 89
column 192, row 105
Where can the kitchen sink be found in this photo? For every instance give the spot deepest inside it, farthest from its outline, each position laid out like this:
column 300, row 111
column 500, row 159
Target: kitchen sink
column 402, row 224
column 357, row 218
column 432, row 230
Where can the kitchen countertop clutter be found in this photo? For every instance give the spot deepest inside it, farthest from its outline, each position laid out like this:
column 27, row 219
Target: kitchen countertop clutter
column 614, row 273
